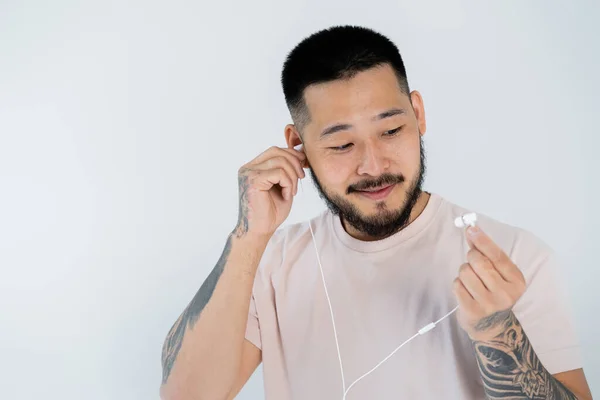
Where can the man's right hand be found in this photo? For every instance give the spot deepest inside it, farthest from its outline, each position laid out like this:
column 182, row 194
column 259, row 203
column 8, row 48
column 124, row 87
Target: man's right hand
column 267, row 186
column 216, row 359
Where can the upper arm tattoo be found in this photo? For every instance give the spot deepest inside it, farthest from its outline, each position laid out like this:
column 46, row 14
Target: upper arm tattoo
column 190, row 315
column 511, row 369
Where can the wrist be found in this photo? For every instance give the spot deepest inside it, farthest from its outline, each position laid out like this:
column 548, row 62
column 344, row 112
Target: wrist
column 244, row 254
column 494, row 327
column 250, row 238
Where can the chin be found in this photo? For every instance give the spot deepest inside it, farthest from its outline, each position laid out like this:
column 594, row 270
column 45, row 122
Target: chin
column 374, row 207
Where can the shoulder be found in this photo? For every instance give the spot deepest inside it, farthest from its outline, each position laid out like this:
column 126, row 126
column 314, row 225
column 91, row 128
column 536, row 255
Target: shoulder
column 524, row 247
column 288, row 242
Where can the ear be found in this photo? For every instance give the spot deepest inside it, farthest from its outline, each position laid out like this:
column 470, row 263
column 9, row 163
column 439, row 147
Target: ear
column 419, row 108
column 292, row 136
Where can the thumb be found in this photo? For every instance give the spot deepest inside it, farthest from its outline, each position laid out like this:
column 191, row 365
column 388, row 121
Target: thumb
column 286, row 193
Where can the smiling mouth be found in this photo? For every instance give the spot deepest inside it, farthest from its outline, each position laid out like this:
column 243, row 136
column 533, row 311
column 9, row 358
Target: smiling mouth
column 378, row 193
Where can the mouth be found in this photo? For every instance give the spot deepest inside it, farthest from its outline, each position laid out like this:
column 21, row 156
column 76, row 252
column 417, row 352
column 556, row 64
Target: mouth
column 378, row 193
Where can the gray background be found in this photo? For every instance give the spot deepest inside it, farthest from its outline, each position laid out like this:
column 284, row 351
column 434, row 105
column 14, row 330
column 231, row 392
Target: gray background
column 123, row 125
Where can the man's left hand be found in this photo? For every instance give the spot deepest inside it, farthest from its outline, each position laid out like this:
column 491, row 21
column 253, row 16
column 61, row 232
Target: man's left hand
column 487, row 287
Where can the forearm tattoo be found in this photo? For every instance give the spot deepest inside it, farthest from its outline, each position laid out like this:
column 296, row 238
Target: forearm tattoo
column 190, row 315
column 242, row 224
column 510, row 368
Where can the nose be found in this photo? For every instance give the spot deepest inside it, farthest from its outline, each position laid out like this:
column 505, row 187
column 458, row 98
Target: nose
column 373, row 160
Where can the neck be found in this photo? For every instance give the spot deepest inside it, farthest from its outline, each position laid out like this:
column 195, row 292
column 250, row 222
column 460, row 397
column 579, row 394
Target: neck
column 418, row 208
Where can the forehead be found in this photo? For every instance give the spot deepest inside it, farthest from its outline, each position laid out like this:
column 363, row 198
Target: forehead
column 356, row 99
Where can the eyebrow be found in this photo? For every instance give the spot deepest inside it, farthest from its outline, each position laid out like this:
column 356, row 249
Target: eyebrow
column 344, row 127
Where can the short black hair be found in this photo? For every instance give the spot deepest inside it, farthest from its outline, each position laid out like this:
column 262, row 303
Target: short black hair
column 339, row 52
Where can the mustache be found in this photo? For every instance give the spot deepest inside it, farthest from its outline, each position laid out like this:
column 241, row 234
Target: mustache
column 383, row 180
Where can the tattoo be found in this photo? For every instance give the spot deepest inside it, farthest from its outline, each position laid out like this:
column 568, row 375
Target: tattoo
column 242, row 224
column 497, row 318
column 191, row 314
column 510, row 368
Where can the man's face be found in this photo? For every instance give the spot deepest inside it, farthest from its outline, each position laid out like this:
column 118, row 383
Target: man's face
column 370, row 167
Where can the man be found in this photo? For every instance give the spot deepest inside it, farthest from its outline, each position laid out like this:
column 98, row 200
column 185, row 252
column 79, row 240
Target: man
column 392, row 260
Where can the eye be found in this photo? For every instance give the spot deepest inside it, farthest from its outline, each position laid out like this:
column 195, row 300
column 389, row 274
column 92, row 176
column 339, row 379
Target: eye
column 392, row 132
column 341, row 148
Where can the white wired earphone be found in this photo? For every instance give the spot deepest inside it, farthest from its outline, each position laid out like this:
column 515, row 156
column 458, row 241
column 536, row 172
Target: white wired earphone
column 460, row 222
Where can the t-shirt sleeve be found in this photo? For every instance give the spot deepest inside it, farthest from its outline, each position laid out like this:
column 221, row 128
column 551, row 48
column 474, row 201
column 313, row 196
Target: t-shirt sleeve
column 253, row 327
column 544, row 312
column 261, row 302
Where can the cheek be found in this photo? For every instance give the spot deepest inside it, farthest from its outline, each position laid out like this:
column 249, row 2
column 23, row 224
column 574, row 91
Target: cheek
column 407, row 157
column 336, row 176
column 409, row 165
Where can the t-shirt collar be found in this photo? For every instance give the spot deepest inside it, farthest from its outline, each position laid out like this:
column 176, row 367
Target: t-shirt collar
column 420, row 223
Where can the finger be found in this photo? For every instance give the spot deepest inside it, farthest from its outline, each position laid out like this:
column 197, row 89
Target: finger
column 268, row 178
column 482, row 242
column 485, row 270
column 472, row 283
column 289, row 154
column 286, row 193
column 275, row 151
column 299, row 154
column 303, row 160
column 282, row 162
column 462, row 294
column 268, row 153
column 300, row 163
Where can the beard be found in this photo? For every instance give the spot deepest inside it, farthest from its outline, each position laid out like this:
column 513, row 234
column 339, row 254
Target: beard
column 386, row 222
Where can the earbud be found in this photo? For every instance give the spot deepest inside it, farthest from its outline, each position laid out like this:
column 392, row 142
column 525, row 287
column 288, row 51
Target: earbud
column 300, row 148
column 466, row 220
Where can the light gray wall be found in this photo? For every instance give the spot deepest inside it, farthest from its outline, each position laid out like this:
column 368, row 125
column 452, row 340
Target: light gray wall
column 122, row 126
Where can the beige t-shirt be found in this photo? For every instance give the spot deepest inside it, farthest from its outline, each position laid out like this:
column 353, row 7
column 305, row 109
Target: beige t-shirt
column 382, row 293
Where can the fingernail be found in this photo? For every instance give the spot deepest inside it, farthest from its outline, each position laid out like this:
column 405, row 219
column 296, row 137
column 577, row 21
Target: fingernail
column 473, row 231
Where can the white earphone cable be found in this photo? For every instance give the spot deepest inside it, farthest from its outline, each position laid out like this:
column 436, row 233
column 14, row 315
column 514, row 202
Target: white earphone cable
column 337, row 345
column 421, row 331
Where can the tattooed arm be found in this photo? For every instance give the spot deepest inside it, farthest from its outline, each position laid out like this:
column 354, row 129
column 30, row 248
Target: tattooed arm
column 487, row 288
column 205, row 354
column 509, row 367
column 202, row 354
